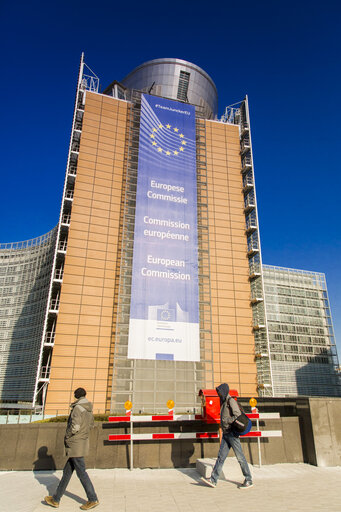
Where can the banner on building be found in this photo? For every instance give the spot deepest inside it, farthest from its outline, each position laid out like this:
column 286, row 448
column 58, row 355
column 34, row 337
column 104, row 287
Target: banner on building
column 164, row 310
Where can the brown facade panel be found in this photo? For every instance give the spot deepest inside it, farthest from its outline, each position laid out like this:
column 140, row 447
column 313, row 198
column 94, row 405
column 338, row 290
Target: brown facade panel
column 83, row 334
column 233, row 340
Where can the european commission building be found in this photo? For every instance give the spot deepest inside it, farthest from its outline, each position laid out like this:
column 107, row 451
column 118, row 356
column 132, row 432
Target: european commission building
column 151, row 286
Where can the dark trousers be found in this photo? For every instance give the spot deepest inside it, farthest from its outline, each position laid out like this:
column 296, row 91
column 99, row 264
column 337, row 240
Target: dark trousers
column 75, row 464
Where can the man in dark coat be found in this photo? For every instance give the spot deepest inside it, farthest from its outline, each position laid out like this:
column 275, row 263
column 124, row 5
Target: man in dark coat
column 229, row 411
column 76, row 443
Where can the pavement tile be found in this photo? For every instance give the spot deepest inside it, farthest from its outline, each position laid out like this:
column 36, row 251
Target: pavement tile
column 289, row 487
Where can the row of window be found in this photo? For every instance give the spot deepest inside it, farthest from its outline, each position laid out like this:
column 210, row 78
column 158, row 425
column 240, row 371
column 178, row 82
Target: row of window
column 293, row 292
column 299, row 329
column 300, row 358
column 300, row 339
column 297, row 310
column 283, row 299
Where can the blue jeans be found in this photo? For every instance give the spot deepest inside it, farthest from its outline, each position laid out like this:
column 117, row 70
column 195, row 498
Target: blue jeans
column 75, row 464
column 229, row 441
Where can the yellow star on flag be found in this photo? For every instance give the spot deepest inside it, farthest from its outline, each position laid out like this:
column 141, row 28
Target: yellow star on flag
column 159, row 129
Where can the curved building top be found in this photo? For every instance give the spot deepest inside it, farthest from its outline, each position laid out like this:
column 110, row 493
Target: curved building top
column 178, row 80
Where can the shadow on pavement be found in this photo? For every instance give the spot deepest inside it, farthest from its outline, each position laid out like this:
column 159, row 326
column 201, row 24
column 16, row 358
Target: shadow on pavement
column 43, row 470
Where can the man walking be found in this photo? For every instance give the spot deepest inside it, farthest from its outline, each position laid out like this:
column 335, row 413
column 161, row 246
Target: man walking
column 76, row 443
column 229, row 411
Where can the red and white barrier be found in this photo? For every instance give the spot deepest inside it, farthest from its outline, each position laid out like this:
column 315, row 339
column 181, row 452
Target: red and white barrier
column 185, row 417
column 171, row 417
column 188, row 435
column 151, row 437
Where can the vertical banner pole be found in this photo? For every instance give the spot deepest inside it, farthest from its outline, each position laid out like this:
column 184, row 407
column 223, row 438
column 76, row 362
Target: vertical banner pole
column 131, row 446
column 259, row 452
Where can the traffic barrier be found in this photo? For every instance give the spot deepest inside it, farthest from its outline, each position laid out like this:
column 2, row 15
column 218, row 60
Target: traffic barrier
column 207, row 416
column 185, row 417
column 188, row 435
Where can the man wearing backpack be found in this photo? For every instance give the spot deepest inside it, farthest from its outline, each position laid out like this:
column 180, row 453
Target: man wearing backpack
column 229, row 438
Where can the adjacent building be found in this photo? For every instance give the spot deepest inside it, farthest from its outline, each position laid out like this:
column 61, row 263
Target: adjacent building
column 25, row 276
column 302, row 345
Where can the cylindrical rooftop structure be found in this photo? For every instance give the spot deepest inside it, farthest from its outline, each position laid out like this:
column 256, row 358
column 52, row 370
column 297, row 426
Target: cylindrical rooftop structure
column 178, row 80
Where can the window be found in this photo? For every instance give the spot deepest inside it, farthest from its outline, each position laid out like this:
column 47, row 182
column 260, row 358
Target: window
column 183, row 86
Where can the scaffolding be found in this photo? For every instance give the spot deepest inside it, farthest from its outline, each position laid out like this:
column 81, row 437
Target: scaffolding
column 87, row 81
column 238, row 114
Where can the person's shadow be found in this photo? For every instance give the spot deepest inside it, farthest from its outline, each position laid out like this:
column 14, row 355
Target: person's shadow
column 43, row 470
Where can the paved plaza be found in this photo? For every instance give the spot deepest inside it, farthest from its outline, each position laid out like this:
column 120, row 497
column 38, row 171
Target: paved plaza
column 280, row 487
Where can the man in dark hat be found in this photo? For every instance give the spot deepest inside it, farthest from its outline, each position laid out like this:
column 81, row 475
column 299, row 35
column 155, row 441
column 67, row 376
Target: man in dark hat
column 229, row 412
column 76, row 443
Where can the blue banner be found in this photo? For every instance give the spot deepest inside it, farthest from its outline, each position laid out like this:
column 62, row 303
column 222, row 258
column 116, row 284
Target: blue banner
column 164, row 310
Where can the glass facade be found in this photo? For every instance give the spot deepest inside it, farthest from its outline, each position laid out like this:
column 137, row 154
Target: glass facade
column 302, row 346
column 25, row 275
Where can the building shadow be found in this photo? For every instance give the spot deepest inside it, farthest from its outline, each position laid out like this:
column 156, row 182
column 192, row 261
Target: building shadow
column 181, row 450
column 318, row 377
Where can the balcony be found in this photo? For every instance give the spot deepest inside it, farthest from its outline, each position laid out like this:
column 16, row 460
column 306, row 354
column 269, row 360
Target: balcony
column 254, row 273
column 252, row 245
column 72, row 170
column 258, row 326
column 249, row 203
column 58, row 275
column 251, row 251
column 62, row 246
column 257, row 296
column 247, row 182
column 244, row 127
column 49, row 339
column 261, row 355
column 256, row 299
column 75, row 146
column 54, row 306
column 69, row 195
column 246, row 163
column 245, row 145
column 44, row 374
column 251, row 222
column 66, row 218
column 78, row 125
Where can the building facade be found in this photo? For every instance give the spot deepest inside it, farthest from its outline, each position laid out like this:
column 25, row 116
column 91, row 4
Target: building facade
column 302, row 343
column 91, row 335
column 157, row 292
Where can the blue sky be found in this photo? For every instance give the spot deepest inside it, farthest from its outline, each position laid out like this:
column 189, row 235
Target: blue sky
column 284, row 55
